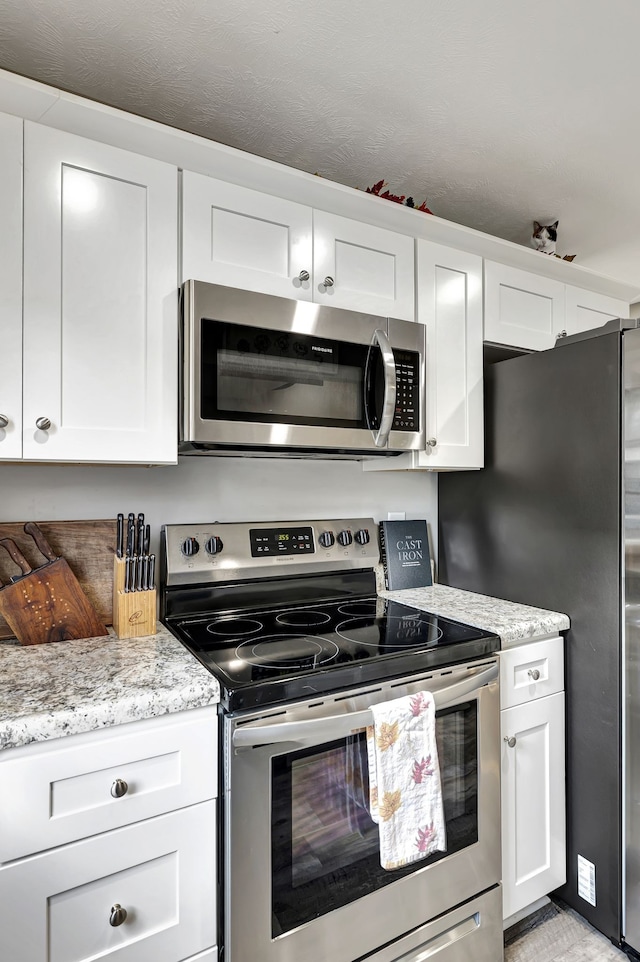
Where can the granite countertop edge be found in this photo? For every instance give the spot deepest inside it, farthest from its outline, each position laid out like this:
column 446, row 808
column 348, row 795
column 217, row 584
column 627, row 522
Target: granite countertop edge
column 72, row 687
column 513, row 622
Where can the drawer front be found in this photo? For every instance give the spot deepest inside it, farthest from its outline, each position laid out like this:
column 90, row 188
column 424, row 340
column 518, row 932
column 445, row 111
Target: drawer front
column 531, row 670
column 62, row 906
column 471, row 932
column 76, row 787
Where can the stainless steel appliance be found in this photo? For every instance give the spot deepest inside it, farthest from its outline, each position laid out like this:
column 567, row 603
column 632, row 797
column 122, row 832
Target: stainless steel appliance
column 264, row 374
column 287, row 618
column 554, row 520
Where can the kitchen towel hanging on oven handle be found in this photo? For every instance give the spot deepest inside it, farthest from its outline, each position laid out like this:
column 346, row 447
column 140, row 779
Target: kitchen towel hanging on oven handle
column 404, row 780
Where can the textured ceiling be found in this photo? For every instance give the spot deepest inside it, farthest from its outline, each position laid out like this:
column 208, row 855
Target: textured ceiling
column 496, row 113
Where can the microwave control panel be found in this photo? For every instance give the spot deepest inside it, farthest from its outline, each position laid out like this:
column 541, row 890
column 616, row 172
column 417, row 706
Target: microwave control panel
column 407, row 412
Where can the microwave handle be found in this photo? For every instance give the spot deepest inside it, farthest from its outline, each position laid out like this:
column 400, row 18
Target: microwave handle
column 389, row 403
column 317, row 730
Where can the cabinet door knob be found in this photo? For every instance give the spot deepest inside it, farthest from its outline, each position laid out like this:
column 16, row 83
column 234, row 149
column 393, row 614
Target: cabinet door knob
column 510, row 740
column 329, row 281
column 43, row 424
column 4, row 420
column 534, row 673
column 561, row 334
column 303, row 276
column 431, row 442
column 117, row 915
column 119, row 788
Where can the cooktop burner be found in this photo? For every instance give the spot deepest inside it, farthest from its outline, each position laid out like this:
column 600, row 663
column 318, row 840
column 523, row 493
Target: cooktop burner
column 259, row 659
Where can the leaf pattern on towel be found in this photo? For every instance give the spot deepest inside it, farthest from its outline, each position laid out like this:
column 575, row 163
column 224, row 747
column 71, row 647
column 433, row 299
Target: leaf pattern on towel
column 373, row 796
column 388, row 735
column 418, row 704
column 424, row 837
column 391, row 802
column 421, row 769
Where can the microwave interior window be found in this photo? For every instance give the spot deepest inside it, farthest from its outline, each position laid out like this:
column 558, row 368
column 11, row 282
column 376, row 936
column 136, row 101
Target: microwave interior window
column 324, row 844
column 281, row 377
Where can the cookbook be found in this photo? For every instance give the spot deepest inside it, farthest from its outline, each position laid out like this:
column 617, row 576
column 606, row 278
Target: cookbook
column 404, row 551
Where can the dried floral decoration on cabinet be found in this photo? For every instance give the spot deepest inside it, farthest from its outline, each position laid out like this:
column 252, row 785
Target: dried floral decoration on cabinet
column 379, row 191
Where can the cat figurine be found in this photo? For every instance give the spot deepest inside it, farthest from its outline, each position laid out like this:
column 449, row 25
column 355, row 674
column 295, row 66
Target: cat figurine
column 544, row 237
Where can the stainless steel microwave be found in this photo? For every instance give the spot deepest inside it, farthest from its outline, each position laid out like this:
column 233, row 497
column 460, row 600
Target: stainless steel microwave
column 268, row 375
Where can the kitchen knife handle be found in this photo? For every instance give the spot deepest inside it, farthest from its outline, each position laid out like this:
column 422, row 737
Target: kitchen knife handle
column 120, row 536
column 44, row 547
column 147, row 539
column 16, row 555
column 152, row 572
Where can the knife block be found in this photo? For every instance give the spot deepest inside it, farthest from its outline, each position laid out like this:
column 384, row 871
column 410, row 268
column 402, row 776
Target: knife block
column 134, row 612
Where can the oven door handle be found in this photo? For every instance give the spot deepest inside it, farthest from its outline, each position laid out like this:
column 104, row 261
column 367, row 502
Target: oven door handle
column 389, row 401
column 318, row 730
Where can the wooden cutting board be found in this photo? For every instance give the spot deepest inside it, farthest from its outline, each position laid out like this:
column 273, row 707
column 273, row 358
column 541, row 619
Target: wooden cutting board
column 88, row 547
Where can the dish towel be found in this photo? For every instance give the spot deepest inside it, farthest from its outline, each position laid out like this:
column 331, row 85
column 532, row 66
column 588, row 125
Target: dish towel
column 404, row 780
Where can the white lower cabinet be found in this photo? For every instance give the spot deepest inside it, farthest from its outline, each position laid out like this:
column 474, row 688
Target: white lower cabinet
column 141, row 892
column 533, row 774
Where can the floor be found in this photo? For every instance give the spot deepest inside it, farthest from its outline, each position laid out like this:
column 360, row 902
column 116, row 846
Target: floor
column 555, row 933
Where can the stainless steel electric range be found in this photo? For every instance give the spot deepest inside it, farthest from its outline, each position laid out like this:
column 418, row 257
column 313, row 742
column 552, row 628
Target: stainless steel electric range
column 287, row 618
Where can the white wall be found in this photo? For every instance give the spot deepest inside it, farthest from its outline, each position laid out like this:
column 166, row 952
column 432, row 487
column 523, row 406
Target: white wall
column 215, row 489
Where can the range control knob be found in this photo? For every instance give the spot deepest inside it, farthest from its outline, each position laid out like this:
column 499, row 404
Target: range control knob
column 345, row 538
column 362, row 536
column 190, row 547
column 214, row 545
column 326, row 539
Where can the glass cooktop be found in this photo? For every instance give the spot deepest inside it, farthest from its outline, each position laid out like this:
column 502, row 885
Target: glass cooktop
column 266, row 657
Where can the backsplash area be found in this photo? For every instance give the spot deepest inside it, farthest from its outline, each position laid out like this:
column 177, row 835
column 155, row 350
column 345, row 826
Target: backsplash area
column 215, row 488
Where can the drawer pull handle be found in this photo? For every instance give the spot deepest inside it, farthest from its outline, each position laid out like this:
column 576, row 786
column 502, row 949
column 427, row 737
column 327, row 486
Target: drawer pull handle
column 118, row 915
column 534, row 674
column 510, row 740
column 329, row 281
column 119, row 788
column 43, row 424
column 303, row 276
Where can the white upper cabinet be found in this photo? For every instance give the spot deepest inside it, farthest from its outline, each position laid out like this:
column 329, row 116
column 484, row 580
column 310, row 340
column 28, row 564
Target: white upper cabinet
column 100, row 302
column 10, row 287
column 362, row 268
column 586, row 309
column 450, row 306
column 522, row 309
column 243, row 238
column 449, row 287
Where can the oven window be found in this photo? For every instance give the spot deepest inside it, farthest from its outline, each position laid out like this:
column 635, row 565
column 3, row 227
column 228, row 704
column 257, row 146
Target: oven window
column 249, row 374
column 324, row 845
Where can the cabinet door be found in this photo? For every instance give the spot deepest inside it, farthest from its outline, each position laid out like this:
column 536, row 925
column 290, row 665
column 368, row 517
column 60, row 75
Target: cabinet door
column 10, row 287
column 242, row 238
column 586, row 310
column 369, row 269
column 521, row 309
column 533, row 801
column 450, row 306
column 100, row 302
column 59, row 906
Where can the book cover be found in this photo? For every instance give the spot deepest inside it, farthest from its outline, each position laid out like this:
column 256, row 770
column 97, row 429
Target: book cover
column 404, row 551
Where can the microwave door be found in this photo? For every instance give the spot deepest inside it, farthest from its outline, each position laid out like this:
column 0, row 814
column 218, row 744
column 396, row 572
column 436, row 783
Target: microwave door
column 380, row 388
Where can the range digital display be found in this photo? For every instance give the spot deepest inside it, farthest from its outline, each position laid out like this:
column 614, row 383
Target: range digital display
column 278, row 541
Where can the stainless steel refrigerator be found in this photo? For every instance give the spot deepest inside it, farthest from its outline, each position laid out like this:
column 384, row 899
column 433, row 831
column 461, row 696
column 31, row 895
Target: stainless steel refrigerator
column 553, row 520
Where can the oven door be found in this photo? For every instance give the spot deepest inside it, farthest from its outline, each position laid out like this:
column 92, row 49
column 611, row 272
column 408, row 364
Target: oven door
column 303, row 880
column 267, row 372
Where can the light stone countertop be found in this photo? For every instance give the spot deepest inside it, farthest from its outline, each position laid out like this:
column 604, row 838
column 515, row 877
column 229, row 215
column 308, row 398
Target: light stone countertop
column 68, row 687
column 514, row 623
